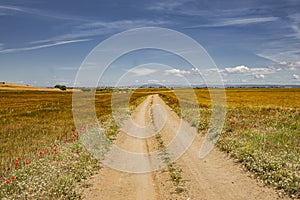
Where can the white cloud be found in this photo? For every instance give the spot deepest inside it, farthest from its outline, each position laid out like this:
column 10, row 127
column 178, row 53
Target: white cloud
column 97, row 28
column 236, row 22
column 7, row 10
column 237, row 69
column 280, row 54
column 142, row 71
column 166, row 5
column 245, row 21
column 259, row 76
column 295, row 76
column 153, row 81
column 289, row 66
column 294, row 25
column 42, row 46
column 177, row 72
column 67, row 68
column 242, row 69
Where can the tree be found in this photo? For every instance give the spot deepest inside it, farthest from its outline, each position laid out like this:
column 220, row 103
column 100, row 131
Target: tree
column 61, row 87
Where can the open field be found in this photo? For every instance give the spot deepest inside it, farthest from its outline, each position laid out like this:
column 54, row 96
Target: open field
column 262, row 129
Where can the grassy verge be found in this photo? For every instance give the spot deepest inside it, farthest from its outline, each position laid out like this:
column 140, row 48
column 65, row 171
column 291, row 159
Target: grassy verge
column 266, row 142
column 58, row 172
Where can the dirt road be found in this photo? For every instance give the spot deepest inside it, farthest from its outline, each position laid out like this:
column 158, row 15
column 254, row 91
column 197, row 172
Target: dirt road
column 214, row 177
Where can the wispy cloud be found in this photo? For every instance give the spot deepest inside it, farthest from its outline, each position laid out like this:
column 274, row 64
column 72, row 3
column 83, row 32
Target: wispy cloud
column 67, row 68
column 280, row 54
column 5, row 10
column 85, row 30
column 142, row 71
column 103, row 27
column 166, row 5
column 10, row 10
column 99, row 28
column 177, row 72
column 238, row 22
column 294, row 25
column 42, row 46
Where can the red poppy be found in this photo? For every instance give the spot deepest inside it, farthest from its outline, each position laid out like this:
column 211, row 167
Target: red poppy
column 232, row 123
column 19, row 158
column 17, row 165
column 12, row 178
column 28, row 162
column 276, row 147
column 267, row 143
column 7, row 182
column 1, row 178
column 41, row 153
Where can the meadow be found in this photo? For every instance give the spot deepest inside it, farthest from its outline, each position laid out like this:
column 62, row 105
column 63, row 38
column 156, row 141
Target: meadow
column 262, row 132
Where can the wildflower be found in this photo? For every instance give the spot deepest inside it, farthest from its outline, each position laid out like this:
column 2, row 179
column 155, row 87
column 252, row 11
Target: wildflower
column 232, row 123
column 276, row 147
column 18, row 164
column 1, row 178
column 19, row 158
column 267, row 143
column 28, row 162
column 12, row 178
column 7, row 182
column 41, row 153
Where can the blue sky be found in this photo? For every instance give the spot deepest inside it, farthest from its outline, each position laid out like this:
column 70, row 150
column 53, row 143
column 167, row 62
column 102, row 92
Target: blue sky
column 44, row 43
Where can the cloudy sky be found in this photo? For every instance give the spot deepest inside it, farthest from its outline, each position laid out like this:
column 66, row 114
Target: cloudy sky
column 44, row 43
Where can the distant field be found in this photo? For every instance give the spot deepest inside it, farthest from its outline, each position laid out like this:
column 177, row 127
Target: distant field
column 258, row 122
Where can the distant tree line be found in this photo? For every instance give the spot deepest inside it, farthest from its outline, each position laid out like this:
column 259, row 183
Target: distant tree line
column 62, row 87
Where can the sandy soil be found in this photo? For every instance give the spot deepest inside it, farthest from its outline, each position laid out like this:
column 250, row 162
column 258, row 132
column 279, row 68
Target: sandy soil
column 214, row 177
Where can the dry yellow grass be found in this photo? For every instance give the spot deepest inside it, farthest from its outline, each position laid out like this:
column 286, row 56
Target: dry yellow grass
column 31, row 120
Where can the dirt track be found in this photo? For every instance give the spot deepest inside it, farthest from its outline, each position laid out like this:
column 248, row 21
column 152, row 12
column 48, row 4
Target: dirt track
column 214, row 177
